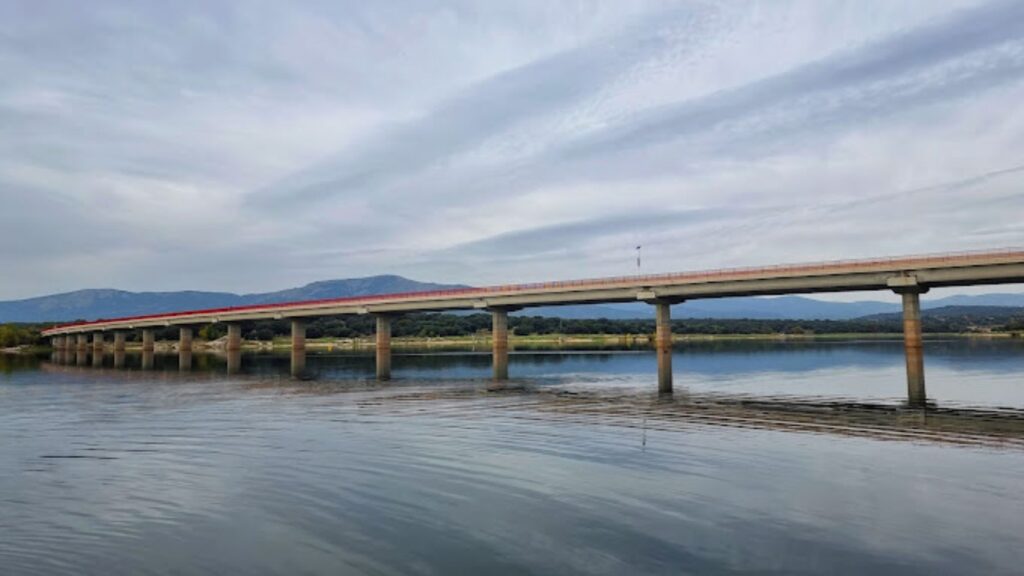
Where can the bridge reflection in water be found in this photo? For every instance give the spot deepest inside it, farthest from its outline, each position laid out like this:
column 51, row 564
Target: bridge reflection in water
column 1001, row 427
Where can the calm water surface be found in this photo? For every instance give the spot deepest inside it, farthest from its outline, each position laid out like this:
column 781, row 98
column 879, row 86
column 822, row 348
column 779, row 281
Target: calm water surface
column 771, row 458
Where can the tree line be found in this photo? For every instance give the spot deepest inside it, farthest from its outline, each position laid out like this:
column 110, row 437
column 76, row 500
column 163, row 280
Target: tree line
column 433, row 325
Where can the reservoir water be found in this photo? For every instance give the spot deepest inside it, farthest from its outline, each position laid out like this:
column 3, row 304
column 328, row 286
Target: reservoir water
column 770, row 458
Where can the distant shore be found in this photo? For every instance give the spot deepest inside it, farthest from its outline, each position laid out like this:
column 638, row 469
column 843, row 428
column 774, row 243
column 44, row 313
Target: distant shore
column 546, row 341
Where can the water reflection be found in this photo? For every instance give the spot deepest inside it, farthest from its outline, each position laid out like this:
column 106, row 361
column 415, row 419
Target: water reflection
column 575, row 466
column 234, row 361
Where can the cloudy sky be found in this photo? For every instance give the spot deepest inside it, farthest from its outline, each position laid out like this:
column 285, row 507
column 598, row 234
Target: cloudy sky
column 249, row 146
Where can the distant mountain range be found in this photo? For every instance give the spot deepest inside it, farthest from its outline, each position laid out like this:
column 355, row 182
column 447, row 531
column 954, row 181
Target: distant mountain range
column 107, row 303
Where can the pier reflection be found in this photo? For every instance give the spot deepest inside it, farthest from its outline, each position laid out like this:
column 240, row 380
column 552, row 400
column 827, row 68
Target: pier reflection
column 185, row 361
column 565, row 400
column 234, row 361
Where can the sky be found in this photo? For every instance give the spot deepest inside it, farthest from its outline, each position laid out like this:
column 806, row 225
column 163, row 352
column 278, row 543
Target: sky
column 259, row 145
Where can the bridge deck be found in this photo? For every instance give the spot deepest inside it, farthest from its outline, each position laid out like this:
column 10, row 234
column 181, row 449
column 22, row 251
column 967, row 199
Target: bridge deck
column 960, row 269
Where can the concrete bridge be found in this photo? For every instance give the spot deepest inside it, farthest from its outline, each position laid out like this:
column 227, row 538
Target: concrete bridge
column 908, row 276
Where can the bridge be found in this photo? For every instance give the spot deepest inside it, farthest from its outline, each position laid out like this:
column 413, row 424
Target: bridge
column 908, row 276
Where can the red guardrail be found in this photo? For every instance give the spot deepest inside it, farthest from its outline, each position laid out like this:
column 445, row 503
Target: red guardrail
column 837, row 266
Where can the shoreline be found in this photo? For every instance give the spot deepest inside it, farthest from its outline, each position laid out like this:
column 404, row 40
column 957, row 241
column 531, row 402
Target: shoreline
column 547, row 341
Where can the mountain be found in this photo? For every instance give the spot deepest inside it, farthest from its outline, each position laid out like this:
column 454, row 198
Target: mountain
column 93, row 304
column 977, row 314
column 370, row 286
column 105, row 303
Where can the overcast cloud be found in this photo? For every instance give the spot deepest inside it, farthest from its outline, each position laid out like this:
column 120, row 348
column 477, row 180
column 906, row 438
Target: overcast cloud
column 250, row 146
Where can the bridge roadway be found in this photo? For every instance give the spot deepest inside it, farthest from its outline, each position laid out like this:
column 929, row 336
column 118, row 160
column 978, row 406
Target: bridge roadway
column 909, row 276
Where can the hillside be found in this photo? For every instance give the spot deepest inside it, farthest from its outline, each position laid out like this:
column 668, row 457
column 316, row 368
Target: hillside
column 108, row 303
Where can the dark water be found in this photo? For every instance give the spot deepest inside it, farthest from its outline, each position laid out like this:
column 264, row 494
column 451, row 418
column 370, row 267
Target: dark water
column 770, row 459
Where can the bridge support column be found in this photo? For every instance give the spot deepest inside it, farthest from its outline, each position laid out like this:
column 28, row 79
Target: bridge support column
column 663, row 345
column 234, row 337
column 57, row 343
column 148, row 340
column 298, row 334
column 119, row 341
column 913, row 346
column 147, row 359
column 185, row 339
column 83, row 343
column 499, row 342
column 119, row 358
column 298, row 363
column 97, row 342
column 383, row 347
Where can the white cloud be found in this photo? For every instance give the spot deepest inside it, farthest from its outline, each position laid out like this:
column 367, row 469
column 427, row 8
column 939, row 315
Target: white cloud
column 258, row 145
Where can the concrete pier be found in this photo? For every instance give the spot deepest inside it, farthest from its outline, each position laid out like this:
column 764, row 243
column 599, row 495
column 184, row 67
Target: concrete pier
column 913, row 346
column 81, row 357
column 147, row 358
column 234, row 337
column 148, row 340
column 383, row 347
column 119, row 358
column 298, row 334
column 57, row 343
column 83, row 343
column 499, row 342
column 119, row 341
column 97, row 342
column 298, row 359
column 663, row 345
column 185, row 339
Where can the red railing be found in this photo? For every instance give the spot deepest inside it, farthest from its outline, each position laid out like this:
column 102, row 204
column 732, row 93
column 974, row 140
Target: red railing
column 814, row 268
